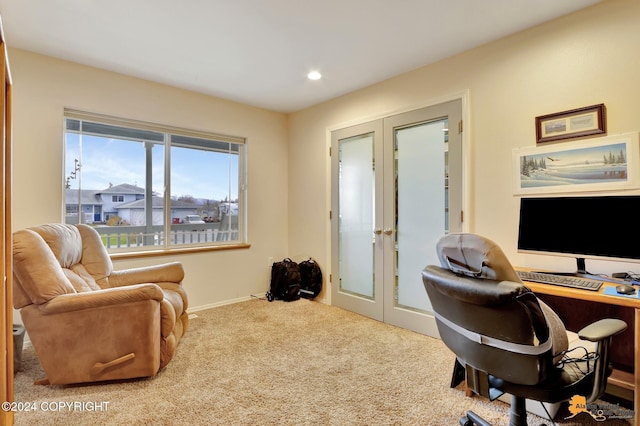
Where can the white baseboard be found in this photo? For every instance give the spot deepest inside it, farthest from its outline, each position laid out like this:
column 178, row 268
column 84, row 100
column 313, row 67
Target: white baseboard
column 238, row 300
column 217, row 304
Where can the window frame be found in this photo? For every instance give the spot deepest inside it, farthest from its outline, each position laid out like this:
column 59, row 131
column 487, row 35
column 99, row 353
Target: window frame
column 180, row 134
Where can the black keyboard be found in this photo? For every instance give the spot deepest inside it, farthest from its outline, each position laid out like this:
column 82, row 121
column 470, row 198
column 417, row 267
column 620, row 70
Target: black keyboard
column 561, row 280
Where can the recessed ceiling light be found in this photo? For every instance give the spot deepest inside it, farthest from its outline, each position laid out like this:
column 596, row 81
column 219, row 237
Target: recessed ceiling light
column 314, row 75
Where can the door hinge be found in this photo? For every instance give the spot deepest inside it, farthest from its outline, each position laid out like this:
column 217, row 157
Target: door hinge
column 460, row 126
column 329, row 151
column 330, row 278
column 330, row 215
column 461, row 216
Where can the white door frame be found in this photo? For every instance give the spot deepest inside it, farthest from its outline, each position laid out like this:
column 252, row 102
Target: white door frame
column 467, row 152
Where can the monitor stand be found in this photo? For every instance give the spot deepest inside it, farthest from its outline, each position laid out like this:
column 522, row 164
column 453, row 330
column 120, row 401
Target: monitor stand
column 581, row 270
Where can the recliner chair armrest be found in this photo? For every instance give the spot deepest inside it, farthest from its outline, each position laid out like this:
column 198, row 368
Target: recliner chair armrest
column 167, row 272
column 100, row 298
column 602, row 329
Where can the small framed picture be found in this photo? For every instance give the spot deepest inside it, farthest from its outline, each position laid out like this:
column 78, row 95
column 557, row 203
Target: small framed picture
column 571, row 124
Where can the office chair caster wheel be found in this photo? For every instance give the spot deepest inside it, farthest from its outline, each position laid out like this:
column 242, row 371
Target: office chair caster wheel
column 472, row 419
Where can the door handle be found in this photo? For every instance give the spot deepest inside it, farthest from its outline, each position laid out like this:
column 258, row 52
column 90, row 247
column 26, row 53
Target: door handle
column 377, row 231
column 388, row 231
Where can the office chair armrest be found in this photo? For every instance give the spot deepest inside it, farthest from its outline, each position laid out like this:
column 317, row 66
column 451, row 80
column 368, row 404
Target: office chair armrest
column 602, row 329
column 601, row 332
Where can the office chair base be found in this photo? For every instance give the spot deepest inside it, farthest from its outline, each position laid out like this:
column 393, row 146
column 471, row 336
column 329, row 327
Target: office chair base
column 517, row 415
column 472, row 419
column 518, row 412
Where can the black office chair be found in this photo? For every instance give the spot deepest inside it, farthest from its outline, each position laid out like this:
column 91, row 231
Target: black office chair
column 504, row 338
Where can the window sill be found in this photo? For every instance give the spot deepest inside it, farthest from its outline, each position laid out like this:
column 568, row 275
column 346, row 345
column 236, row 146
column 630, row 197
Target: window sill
column 176, row 251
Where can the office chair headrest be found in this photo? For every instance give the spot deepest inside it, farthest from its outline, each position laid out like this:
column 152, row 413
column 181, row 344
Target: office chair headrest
column 475, row 256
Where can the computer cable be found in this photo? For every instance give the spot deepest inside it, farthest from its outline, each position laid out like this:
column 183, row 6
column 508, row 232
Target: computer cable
column 576, row 361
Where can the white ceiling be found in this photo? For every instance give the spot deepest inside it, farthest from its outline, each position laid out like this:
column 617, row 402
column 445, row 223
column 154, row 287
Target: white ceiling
column 258, row 52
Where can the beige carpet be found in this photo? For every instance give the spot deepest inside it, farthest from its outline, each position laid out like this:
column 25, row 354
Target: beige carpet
column 261, row 363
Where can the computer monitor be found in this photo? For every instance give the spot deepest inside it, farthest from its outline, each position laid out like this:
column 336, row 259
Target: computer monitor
column 584, row 227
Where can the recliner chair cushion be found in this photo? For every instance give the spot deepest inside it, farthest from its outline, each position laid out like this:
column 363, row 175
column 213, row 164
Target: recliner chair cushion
column 64, row 241
column 38, row 271
column 80, row 279
column 95, row 258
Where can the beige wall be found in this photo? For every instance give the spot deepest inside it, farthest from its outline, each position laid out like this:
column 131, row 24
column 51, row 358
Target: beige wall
column 44, row 86
column 586, row 58
column 583, row 59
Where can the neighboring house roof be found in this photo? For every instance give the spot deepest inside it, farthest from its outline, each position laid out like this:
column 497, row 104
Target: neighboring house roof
column 157, row 203
column 123, row 188
column 92, row 196
column 88, row 196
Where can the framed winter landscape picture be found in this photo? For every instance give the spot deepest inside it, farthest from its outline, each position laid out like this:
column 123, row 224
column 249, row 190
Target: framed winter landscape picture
column 602, row 164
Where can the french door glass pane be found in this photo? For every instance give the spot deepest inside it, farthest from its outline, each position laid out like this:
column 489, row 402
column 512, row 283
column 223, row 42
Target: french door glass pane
column 420, row 171
column 356, row 215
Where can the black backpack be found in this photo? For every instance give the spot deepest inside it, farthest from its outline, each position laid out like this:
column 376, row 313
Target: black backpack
column 310, row 279
column 285, row 281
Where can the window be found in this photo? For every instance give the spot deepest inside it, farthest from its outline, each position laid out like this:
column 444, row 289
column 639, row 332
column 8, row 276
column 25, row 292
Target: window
column 118, row 173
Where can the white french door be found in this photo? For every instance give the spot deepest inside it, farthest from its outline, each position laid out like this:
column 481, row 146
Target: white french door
column 397, row 188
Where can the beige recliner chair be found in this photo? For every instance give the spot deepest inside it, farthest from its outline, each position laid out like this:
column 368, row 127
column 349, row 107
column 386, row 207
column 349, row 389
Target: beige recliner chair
column 87, row 322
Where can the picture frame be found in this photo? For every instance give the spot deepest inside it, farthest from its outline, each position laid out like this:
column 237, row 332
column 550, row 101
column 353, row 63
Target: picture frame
column 603, row 164
column 575, row 123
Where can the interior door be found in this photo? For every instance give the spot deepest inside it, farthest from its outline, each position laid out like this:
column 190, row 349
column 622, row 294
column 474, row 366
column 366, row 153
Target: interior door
column 422, row 202
column 357, row 219
column 397, row 188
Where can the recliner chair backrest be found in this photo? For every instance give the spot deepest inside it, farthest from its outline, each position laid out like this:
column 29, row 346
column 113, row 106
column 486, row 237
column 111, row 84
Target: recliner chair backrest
column 51, row 260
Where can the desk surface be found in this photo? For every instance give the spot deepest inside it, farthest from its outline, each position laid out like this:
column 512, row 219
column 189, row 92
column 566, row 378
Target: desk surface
column 590, row 295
